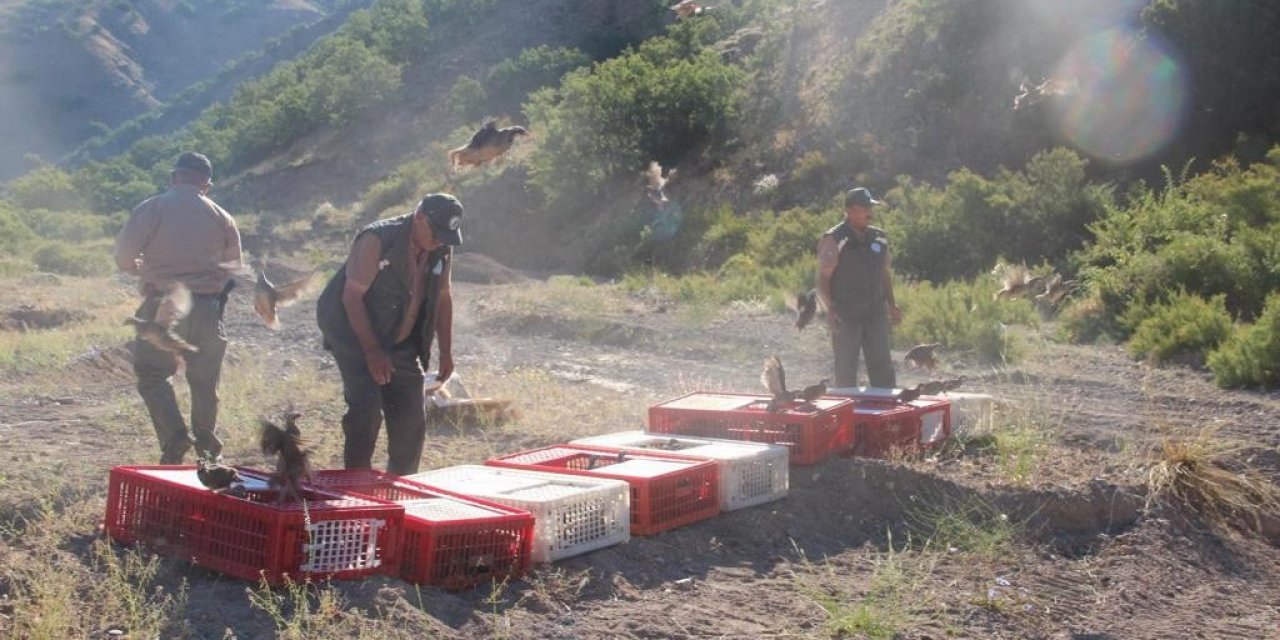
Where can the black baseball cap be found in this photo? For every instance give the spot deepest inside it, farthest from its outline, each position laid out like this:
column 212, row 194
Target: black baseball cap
column 194, row 162
column 444, row 214
column 860, row 196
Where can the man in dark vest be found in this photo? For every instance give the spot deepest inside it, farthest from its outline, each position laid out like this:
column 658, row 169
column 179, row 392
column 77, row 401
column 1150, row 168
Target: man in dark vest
column 379, row 315
column 856, row 284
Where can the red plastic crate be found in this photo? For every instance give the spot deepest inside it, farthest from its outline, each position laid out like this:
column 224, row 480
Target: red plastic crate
column 882, row 428
column 328, row 535
column 667, row 491
column 810, row 432
column 449, row 540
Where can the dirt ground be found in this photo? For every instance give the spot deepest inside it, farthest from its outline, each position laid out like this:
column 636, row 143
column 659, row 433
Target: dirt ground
column 1088, row 559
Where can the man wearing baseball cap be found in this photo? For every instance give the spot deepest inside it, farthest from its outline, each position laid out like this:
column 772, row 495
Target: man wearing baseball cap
column 379, row 315
column 182, row 236
column 856, row 285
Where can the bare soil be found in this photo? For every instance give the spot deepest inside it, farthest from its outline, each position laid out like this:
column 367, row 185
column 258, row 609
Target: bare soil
column 1091, row 559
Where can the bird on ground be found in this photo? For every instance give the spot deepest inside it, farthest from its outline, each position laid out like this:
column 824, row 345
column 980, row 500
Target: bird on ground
column 1055, row 290
column 689, row 9
column 292, row 464
column 216, row 476
column 1017, row 282
column 267, row 296
column 173, row 307
column 806, row 308
column 923, row 356
column 774, row 379
column 655, row 183
column 487, row 143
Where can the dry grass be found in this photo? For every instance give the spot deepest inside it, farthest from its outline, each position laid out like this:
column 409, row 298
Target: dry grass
column 1198, row 474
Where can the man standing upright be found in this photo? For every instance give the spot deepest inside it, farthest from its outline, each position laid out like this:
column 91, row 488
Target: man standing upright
column 182, row 236
column 856, row 285
column 379, row 315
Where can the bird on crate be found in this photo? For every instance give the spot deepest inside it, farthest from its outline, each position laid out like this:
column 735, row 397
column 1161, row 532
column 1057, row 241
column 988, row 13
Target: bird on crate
column 806, row 308
column 774, row 379
column 811, row 393
column 951, row 384
column 173, row 307
column 487, row 143
column 907, row 395
column 923, row 356
column 268, row 296
column 1016, row 282
column 292, row 464
column 216, row 476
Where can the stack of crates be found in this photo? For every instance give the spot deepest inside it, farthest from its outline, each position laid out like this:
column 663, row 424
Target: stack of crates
column 666, row 491
column 571, row 515
column 327, row 534
column 448, row 540
column 810, row 431
column 750, row 473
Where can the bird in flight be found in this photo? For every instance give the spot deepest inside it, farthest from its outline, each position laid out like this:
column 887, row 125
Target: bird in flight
column 159, row 331
column 268, row 296
column 292, row 457
column 487, row 143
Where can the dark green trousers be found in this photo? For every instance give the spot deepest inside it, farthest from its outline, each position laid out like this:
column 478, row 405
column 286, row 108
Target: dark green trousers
column 867, row 336
column 203, row 329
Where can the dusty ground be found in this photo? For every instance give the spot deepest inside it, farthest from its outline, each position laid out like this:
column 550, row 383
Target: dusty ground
column 1070, row 551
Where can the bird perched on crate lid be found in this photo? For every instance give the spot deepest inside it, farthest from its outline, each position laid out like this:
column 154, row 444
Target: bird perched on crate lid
column 923, row 355
column 268, row 296
column 774, row 379
column 292, row 463
column 216, row 476
column 172, row 308
column 811, row 393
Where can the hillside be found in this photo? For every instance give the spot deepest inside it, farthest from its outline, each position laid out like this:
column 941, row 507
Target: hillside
column 74, row 70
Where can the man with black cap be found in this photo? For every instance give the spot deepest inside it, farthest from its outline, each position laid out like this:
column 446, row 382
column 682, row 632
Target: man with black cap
column 379, row 315
column 182, row 236
column 856, row 285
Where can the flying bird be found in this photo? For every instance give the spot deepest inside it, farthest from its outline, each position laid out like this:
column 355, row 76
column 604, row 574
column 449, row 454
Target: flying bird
column 774, row 379
column 173, row 307
column 923, row 356
column 267, row 296
column 487, row 143
column 292, row 464
column 806, row 308
column 1017, row 282
column 689, row 9
column 655, row 183
column 216, row 476
column 1055, row 290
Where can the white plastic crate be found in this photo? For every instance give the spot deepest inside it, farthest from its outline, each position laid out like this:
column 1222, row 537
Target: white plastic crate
column 751, row 473
column 572, row 515
column 971, row 413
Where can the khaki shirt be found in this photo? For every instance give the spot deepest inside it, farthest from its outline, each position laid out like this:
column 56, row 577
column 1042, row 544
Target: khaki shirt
column 180, row 235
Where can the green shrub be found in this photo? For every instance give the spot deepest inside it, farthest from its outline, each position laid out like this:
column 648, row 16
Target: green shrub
column 46, row 187
column 1250, row 357
column 510, row 82
column 75, row 227
column 1184, row 329
column 15, row 236
column 1086, row 319
column 65, row 259
column 963, row 317
column 467, row 98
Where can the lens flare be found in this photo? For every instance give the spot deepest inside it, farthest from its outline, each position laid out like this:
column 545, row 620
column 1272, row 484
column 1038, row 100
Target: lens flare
column 1129, row 96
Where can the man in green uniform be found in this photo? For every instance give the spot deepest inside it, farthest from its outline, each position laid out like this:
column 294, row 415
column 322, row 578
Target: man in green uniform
column 856, row 285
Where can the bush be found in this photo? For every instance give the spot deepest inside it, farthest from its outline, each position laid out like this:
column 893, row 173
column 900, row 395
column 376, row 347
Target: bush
column 963, row 317
column 467, row 98
column 75, row 227
column 1250, row 357
column 46, row 187
column 14, row 234
column 510, row 82
column 1184, row 329
column 65, row 259
column 1086, row 320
